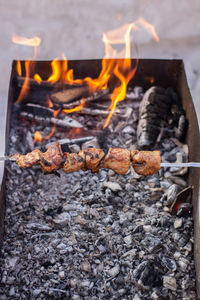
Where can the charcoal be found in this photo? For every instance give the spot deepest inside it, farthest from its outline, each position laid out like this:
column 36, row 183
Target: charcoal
column 102, row 236
column 148, row 275
column 181, row 129
column 169, row 263
column 171, row 194
column 154, row 109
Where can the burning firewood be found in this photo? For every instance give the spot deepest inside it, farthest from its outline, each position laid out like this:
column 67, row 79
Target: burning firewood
column 70, row 94
column 94, row 96
column 45, row 115
column 118, row 159
column 34, row 84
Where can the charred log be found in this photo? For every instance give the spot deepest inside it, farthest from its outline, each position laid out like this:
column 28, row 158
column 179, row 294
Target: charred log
column 154, row 109
column 73, row 96
column 45, row 115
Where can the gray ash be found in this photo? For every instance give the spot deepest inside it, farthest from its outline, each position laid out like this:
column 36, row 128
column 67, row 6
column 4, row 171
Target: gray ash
column 96, row 236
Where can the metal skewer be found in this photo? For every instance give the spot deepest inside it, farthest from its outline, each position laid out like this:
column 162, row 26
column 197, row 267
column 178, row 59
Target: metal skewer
column 163, row 164
column 180, row 165
column 4, row 158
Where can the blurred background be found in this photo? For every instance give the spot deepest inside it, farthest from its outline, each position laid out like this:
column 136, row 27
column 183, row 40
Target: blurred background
column 75, row 27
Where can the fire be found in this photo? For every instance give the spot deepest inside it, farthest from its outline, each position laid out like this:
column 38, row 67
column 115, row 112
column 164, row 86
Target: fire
column 24, row 90
column 37, row 78
column 114, row 64
column 123, row 69
column 56, row 112
column 31, row 42
column 149, row 27
column 19, row 68
column 49, row 103
column 77, row 108
column 37, row 137
column 56, row 71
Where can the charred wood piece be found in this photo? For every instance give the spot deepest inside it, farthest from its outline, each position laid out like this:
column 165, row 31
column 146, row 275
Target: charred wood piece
column 45, row 115
column 96, row 112
column 153, row 111
column 34, row 84
column 70, row 94
column 74, row 95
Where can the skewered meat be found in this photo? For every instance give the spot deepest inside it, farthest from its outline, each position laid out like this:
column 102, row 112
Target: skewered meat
column 73, row 162
column 146, row 162
column 52, row 158
column 118, row 160
column 92, row 158
column 29, row 159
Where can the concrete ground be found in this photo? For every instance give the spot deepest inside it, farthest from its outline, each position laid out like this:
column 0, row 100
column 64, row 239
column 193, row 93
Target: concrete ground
column 74, row 27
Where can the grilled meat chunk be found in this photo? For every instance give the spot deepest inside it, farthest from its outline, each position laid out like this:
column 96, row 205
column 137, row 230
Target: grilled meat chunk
column 29, row 159
column 73, row 162
column 92, row 158
column 118, row 160
column 146, row 162
column 52, row 158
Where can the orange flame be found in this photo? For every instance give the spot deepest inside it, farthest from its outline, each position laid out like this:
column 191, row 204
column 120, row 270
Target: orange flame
column 25, row 86
column 77, row 108
column 111, row 66
column 56, row 71
column 56, row 112
column 31, row 42
column 122, row 69
column 49, row 103
column 19, row 68
column 37, row 137
column 37, row 78
column 149, row 27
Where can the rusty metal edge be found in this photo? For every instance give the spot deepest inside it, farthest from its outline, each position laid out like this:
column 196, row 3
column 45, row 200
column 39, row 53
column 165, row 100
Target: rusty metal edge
column 2, row 180
column 193, row 141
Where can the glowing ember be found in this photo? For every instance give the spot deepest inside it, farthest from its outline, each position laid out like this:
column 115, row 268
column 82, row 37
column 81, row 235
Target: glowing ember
column 150, row 79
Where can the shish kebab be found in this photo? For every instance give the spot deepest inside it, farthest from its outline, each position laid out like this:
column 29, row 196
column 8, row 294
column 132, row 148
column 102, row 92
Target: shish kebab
column 117, row 159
